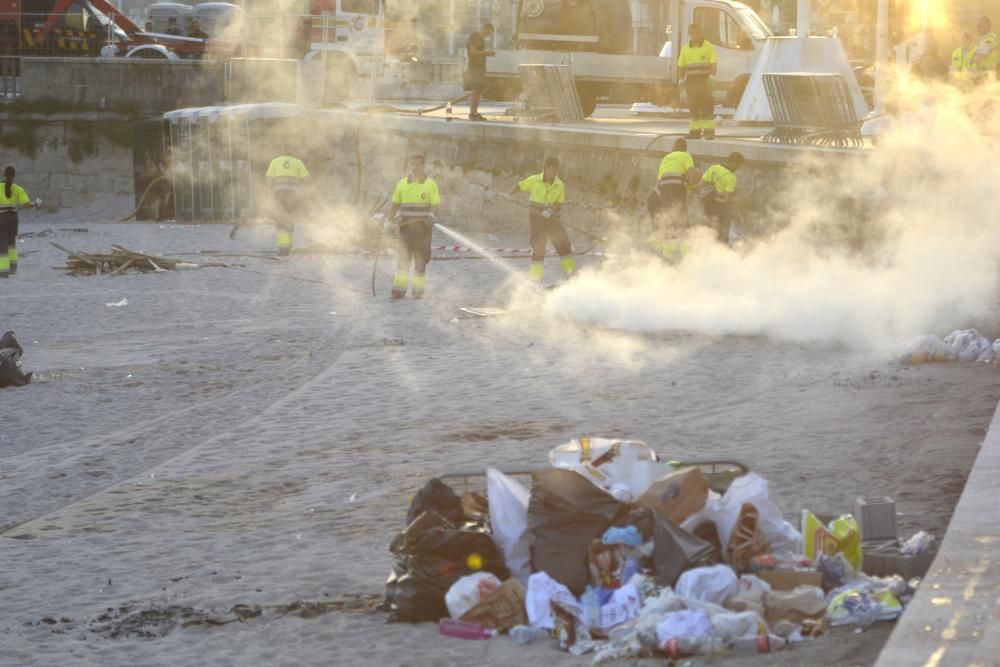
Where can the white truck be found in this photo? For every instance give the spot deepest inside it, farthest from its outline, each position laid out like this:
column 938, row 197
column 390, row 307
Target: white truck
column 625, row 51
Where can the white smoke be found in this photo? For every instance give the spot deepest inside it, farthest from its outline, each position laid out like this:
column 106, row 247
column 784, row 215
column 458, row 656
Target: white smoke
column 925, row 261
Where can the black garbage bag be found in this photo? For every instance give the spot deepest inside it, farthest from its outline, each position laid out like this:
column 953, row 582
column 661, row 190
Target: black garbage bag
column 11, row 374
column 436, row 496
column 676, row 550
column 428, row 557
column 565, row 514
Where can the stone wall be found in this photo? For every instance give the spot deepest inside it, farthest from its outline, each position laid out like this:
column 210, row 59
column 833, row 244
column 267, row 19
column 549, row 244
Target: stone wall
column 73, row 164
column 144, row 86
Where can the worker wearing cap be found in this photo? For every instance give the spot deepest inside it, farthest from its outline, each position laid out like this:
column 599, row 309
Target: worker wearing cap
column 987, row 56
column 668, row 202
column 546, row 195
column 960, row 71
column 12, row 197
column 720, row 180
column 286, row 176
column 414, row 203
column 696, row 66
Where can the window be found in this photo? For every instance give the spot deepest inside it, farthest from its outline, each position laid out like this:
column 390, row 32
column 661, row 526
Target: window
column 359, row 6
column 721, row 29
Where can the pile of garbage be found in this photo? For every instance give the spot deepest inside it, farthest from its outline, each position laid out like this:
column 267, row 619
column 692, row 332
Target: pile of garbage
column 11, row 373
column 619, row 554
column 960, row 345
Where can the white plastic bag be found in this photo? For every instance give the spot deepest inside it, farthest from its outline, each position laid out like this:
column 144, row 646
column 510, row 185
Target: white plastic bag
column 542, row 590
column 466, row 593
column 752, row 488
column 970, row 345
column 732, row 626
column 684, row 624
column 508, row 501
column 623, row 606
column 616, row 466
column 712, row 583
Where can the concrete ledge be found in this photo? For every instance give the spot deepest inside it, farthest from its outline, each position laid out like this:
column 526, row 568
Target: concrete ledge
column 590, row 135
column 955, row 617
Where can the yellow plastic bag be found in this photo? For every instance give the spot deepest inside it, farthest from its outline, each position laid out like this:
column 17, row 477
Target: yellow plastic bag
column 841, row 536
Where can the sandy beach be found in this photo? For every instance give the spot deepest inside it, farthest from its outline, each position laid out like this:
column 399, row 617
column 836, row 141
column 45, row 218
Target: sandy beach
column 233, row 452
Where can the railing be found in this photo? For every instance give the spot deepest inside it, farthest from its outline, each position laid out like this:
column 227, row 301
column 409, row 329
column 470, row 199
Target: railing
column 10, row 77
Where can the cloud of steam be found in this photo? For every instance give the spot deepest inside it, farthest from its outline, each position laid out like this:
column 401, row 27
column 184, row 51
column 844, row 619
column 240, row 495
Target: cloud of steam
column 901, row 242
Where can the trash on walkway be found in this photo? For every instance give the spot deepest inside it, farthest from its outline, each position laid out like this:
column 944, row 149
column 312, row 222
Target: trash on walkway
column 11, row 373
column 621, row 563
column 122, row 259
column 959, row 345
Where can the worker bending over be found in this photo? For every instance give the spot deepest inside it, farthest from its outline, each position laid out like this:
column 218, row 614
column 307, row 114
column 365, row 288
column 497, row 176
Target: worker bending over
column 286, row 178
column 720, row 180
column 12, row 197
column 414, row 203
column 547, row 194
column 668, row 202
column 696, row 66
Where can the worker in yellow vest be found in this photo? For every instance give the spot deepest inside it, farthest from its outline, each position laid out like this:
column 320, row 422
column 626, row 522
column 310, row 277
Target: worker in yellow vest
column 697, row 64
column 667, row 203
column 286, row 177
column 414, row 203
column 12, row 197
column 720, row 180
column 546, row 196
column 960, row 70
column 987, row 57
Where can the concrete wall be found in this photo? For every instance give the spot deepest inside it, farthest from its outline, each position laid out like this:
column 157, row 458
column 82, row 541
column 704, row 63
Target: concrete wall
column 148, row 86
column 60, row 181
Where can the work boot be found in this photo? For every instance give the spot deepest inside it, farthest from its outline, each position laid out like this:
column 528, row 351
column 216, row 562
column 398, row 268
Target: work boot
column 418, row 294
column 398, row 294
column 710, row 135
column 694, row 134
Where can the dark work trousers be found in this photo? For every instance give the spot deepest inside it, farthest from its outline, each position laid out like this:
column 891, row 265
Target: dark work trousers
column 720, row 214
column 701, row 105
column 8, row 241
column 414, row 246
column 544, row 230
column 668, row 207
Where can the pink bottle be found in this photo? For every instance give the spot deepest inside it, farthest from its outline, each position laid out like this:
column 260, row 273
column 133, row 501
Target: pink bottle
column 449, row 627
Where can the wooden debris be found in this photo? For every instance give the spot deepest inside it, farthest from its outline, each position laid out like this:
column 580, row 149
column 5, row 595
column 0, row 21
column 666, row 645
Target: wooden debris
column 122, row 259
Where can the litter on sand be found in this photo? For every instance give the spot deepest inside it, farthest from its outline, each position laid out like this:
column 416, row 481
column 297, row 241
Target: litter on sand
column 614, row 552
column 11, row 373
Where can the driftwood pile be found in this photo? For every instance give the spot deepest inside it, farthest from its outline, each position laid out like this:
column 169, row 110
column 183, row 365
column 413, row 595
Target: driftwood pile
column 122, row 259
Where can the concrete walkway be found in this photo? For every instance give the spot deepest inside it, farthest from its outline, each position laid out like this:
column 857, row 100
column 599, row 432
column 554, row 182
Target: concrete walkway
column 955, row 617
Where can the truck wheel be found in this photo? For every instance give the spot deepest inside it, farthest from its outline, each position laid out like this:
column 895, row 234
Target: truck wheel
column 736, row 91
column 338, row 80
column 588, row 100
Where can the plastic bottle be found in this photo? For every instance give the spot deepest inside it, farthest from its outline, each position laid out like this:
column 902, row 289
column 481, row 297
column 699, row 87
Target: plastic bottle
column 449, row 627
column 759, row 644
column 525, row 634
column 448, row 111
column 591, row 608
column 681, row 646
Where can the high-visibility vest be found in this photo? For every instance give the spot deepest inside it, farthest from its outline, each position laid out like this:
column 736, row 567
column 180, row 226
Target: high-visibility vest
column 723, row 180
column 674, row 167
column 287, row 172
column 989, row 63
column 961, row 63
column 541, row 193
column 698, row 60
column 416, row 199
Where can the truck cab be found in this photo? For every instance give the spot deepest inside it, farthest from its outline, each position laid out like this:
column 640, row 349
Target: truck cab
column 626, row 52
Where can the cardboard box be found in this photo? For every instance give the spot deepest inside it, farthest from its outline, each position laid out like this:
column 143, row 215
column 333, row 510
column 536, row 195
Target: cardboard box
column 789, row 580
column 876, row 518
column 678, row 495
column 884, row 559
column 502, row 609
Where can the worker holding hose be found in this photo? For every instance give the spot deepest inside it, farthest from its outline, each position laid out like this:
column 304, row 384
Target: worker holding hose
column 668, row 202
column 414, row 203
column 286, row 176
column 547, row 194
column 720, row 181
column 12, row 197
column 696, row 66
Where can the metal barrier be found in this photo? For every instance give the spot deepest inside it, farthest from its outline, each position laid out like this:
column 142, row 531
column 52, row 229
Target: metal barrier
column 814, row 109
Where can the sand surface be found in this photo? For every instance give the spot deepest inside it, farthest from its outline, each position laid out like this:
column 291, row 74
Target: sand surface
column 230, row 438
